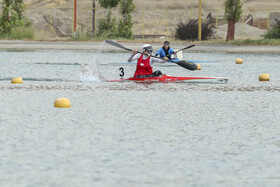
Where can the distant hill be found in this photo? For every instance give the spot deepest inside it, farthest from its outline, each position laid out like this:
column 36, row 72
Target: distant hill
column 248, row 5
column 160, row 17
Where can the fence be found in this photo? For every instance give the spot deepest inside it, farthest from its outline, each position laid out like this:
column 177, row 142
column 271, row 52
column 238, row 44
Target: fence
column 54, row 22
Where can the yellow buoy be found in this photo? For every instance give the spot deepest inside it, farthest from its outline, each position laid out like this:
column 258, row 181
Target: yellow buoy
column 264, row 77
column 62, row 103
column 17, row 80
column 198, row 67
column 239, row 61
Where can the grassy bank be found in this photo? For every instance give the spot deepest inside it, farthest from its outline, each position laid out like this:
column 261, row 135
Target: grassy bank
column 85, row 37
column 30, row 34
column 20, row 33
column 256, row 42
column 171, row 39
column 175, row 41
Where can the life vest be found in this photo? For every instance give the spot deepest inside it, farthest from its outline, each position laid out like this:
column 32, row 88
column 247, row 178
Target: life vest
column 167, row 52
column 143, row 67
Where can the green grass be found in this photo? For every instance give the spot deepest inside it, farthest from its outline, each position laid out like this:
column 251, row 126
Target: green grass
column 256, row 42
column 91, row 37
column 29, row 33
column 82, row 37
column 17, row 50
column 19, row 33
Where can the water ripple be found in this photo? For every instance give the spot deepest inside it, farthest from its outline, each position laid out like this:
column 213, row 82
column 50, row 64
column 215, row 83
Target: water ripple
column 164, row 87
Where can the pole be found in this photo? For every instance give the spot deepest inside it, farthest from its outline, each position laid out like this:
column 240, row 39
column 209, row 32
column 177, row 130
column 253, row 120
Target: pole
column 51, row 21
column 242, row 25
column 72, row 21
column 75, row 17
column 143, row 24
column 216, row 18
column 93, row 17
column 167, row 23
column 267, row 21
column 199, row 21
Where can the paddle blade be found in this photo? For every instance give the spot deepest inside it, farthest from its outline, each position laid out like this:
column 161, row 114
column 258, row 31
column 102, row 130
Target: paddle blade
column 117, row 45
column 187, row 65
column 185, row 48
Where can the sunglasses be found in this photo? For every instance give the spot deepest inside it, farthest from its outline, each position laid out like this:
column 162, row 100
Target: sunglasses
column 149, row 51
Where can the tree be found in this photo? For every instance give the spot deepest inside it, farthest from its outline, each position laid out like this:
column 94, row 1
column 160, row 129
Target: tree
column 108, row 27
column 125, row 23
column 233, row 10
column 108, row 3
column 18, row 7
column 5, row 17
column 12, row 16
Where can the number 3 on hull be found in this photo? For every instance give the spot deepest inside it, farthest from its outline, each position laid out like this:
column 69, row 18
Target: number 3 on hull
column 122, row 72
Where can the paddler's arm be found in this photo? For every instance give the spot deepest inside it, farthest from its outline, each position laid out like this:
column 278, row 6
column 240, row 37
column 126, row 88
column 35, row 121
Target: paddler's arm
column 153, row 60
column 172, row 51
column 158, row 52
column 134, row 56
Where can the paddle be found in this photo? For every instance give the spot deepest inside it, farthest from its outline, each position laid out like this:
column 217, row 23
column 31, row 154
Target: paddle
column 185, row 48
column 184, row 64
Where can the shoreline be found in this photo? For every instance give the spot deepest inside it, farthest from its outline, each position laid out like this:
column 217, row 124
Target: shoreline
column 22, row 45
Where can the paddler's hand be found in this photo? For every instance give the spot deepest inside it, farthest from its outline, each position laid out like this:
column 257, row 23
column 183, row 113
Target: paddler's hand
column 134, row 51
column 165, row 58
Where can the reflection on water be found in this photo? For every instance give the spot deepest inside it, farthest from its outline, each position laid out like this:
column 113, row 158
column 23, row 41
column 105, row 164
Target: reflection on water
column 129, row 134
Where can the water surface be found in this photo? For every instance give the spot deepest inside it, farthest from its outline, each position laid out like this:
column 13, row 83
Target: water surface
column 128, row 134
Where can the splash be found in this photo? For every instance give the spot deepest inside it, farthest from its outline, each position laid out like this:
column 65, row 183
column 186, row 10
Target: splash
column 91, row 73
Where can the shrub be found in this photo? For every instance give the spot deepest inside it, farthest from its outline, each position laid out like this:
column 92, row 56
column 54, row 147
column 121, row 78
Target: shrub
column 107, row 27
column 274, row 32
column 125, row 23
column 22, row 33
column 12, row 16
column 189, row 30
column 124, row 30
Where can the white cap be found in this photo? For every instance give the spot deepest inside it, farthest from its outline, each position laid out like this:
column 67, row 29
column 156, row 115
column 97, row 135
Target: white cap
column 147, row 46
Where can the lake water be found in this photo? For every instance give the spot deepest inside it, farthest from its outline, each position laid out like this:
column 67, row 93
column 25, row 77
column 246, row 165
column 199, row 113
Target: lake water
column 128, row 134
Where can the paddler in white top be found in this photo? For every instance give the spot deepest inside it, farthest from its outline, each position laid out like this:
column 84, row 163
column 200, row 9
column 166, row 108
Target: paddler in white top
column 145, row 62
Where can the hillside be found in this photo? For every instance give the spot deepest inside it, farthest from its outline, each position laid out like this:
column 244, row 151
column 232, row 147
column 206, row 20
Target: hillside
column 248, row 5
column 157, row 17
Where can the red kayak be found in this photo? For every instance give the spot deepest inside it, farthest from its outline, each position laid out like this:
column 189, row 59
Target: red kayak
column 167, row 78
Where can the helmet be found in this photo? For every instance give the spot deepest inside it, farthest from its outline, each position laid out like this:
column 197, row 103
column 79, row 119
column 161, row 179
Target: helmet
column 166, row 43
column 147, row 47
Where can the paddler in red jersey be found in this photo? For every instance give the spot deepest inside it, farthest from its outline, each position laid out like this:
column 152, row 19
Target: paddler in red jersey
column 145, row 62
